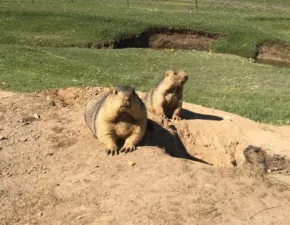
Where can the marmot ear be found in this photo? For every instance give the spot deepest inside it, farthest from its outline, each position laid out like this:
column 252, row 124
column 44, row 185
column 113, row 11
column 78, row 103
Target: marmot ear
column 169, row 72
column 113, row 90
column 133, row 89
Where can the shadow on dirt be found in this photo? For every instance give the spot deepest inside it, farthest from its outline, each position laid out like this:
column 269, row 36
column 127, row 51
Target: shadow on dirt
column 168, row 140
column 188, row 115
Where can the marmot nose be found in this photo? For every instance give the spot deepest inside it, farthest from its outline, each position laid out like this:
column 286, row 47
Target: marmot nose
column 185, row 77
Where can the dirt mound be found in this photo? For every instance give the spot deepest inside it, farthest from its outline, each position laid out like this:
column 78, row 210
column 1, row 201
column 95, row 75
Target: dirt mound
column 207, row 135
column 70, row 96
column 52, row 171
column 274, row 52
column 162, row 38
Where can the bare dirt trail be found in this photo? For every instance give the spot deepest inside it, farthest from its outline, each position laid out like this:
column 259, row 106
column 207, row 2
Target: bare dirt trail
column 52, row 171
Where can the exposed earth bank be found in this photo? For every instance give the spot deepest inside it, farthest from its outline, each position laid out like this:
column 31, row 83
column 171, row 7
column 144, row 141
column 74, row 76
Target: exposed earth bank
column 52, row 171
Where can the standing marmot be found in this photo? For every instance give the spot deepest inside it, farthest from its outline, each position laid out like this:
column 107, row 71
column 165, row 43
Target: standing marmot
column 118, row 114
column 166, row 97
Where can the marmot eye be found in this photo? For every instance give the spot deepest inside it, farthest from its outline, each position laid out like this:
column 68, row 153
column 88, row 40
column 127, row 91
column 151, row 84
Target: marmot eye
column 116, row 92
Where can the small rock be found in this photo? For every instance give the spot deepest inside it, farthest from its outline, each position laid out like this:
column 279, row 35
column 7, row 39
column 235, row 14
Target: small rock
column 36, row 137
column 40, row 214
column 79, row 217
column 36, row 116
column 49, row 154
column 23, row 139
column 269, row 171
column 227, row 118
column 131, row 163
column 3, row 138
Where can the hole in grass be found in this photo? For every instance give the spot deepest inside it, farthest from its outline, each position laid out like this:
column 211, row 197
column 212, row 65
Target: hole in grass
column 162, row 38
column 268, row 52
column 273, row 52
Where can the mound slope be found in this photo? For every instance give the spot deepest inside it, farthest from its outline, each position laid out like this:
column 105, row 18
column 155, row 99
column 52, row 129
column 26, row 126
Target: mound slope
column 52, row 171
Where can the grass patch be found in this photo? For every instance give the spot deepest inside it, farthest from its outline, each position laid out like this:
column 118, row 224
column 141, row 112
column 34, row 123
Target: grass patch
column 63, row 23
column 220, row 81
column 37, row 39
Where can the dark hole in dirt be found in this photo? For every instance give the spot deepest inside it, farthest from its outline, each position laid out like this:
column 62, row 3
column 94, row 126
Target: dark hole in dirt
column 268, row 52
column 162, row 38
column 274, row 53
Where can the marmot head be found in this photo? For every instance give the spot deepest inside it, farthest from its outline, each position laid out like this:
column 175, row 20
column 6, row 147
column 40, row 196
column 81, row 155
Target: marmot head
column 255, row 155
column 176, row 77
column 123, row 97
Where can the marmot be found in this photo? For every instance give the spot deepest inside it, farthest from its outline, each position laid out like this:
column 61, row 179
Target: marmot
column 166, row 97
column 117, row 115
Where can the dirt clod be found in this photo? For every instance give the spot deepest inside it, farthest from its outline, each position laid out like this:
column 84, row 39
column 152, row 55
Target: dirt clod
column 3, row 138
column 131, row 163
column 36, row 116
column 227, row 118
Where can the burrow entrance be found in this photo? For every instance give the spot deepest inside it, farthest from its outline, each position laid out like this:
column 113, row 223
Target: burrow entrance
column 162, row 38
column 268, row 52
column 274, row 52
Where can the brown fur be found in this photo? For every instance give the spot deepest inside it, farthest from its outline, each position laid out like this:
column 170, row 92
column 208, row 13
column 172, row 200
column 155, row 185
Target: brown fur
column 165, row 99
column 118, row 114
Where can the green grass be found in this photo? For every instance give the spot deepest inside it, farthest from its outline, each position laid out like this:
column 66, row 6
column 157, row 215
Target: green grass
column 36, row 51
column 60, row 23
column 221, row 81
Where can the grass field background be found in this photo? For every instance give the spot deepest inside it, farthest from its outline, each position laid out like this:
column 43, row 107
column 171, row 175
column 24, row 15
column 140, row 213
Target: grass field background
column 40, row 48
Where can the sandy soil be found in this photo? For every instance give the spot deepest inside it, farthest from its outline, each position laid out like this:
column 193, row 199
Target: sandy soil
column 194, row 171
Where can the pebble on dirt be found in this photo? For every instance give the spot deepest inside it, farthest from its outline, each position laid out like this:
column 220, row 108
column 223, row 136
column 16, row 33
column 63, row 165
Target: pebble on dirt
column 36, row 116
column 131, row 163
column 227, row 118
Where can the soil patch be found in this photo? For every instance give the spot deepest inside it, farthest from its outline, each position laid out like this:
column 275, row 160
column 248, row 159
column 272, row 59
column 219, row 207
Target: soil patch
column 162, row 38
column 53, row 171
column 274, row 53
